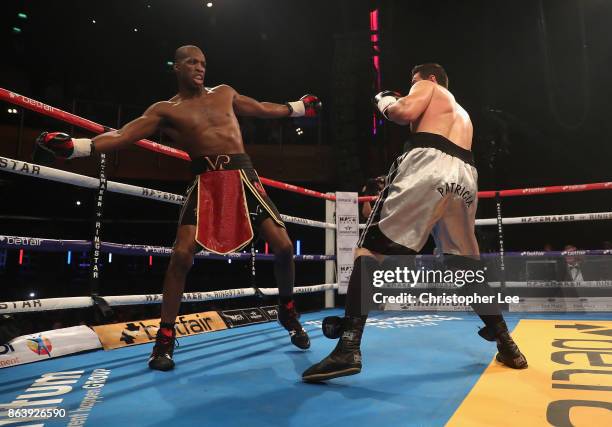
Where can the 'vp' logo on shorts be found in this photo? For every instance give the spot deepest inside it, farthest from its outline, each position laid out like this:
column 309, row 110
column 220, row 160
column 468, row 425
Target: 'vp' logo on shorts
column 219, row 162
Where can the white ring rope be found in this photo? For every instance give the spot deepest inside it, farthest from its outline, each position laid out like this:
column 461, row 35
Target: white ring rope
column 594, row 216
column 29, row 169
column 47, row 304
column 531, row 284
column 57, row 175
column 37, row 171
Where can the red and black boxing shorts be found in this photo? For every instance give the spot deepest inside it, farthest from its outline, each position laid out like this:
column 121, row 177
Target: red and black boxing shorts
column 225, row 202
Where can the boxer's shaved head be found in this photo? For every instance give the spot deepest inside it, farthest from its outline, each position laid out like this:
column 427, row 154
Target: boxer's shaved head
column 190, row 67
column 186, row 51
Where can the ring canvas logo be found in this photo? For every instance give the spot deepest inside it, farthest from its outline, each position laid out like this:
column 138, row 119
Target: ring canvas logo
column 47, row 399
column 568, row 381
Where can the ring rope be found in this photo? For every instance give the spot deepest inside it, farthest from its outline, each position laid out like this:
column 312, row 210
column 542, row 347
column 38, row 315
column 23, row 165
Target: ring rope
column 44, row 172
column 57, row 175
column 47, row 304
column 593, row 216
column 56, row 113
column 57, row 245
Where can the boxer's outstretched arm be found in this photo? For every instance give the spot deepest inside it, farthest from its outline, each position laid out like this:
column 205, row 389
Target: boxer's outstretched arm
column 245, row 106
column 64, row 146
column 410, row 107
column 137, row 129
column 306, row 106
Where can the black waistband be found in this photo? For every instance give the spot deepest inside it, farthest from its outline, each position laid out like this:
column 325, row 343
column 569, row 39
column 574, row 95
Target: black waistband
column 220, row 162
column 432, row 140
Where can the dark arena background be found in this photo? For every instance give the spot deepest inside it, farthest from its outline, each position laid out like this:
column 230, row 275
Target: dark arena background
column 533, row 76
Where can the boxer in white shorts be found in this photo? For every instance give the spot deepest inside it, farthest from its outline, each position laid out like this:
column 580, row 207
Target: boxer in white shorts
column 432, row 188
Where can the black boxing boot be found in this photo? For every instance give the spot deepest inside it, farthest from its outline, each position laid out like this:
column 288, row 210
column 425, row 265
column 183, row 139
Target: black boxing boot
column 345, row 359
column 288, row 318
column 163, row 350
column 508, row 352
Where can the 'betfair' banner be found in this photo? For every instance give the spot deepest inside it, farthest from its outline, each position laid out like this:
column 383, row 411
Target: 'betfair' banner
column 144, row 331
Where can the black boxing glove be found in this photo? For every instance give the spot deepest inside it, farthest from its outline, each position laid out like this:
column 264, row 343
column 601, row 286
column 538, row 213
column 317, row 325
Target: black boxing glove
column 374, row 186
column 307, row 106
column 384, row 100
column 63, row 146
column 332, row 327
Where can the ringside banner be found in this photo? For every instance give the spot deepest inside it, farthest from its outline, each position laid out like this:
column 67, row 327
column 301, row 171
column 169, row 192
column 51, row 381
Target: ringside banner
column 249, row 316
column 48, row 344
column 143, row 331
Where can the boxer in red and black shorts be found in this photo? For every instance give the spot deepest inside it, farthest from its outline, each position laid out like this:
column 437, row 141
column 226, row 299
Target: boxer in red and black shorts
column 227, row 199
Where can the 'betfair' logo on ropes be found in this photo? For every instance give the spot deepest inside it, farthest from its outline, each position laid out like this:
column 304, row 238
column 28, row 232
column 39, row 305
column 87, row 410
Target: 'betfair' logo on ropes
column 20, row 241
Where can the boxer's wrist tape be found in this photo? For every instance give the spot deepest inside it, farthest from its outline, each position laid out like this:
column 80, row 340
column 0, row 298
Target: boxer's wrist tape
column 83, row 147
column 297, row 109
column 385, row 102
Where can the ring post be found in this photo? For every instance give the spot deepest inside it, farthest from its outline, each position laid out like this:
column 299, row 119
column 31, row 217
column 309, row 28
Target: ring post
column 330, row 248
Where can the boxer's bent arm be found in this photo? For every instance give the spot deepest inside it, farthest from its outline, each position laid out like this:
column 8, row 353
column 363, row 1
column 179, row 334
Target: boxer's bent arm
column 245, row 106
column 412, row 106
column 137, row 129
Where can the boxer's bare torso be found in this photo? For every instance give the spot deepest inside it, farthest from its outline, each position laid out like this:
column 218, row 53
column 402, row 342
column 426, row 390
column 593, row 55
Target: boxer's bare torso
column 444, row 116
column 203, row 124
column 429, row 107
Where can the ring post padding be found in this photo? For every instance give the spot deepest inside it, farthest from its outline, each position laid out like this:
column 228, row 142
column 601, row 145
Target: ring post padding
column 330, row 249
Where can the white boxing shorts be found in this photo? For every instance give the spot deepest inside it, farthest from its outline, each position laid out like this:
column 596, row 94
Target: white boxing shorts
column 432, row 188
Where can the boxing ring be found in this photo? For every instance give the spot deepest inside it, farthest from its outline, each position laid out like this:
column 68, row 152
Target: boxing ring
column 423, row 365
